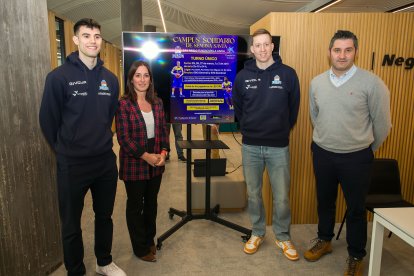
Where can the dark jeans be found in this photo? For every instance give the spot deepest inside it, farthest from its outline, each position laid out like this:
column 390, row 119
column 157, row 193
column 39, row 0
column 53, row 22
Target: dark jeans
column 74, row 180
column 352, row 171
column 141, row 213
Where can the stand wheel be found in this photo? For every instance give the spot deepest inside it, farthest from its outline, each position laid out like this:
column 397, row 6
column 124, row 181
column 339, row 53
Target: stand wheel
column 216, row 210
column 170, row 214
column 245, row 238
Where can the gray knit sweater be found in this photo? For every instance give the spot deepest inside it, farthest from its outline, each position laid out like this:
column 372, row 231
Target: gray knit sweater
column 350, row 117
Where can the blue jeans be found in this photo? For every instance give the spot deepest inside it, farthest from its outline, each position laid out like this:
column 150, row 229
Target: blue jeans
column 277, row 162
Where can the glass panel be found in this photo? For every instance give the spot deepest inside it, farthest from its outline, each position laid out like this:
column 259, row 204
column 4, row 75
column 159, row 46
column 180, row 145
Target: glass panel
column 60, row 41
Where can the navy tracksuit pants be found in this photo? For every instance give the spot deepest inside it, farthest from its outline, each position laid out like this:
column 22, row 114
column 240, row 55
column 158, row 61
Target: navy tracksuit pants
column 74, row 179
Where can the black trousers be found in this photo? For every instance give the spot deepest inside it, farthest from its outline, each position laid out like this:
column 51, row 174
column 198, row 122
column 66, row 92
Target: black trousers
column 141, row 213
column 141, row 210
column 74, row 181
column 352, row 171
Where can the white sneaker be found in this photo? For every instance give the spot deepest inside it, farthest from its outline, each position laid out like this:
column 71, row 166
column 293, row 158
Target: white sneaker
column 110, row 270
column 252, row 244
column 289, row 249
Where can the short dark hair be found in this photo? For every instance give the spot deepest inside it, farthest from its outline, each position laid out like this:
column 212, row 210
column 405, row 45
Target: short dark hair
column 260, row 32
column 88, row 22
column 341, row 34
column 129, row 87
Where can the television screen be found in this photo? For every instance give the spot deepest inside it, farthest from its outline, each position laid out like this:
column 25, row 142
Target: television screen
column 193, row 73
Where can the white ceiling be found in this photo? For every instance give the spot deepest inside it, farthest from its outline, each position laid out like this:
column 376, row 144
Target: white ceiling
column 199, row 16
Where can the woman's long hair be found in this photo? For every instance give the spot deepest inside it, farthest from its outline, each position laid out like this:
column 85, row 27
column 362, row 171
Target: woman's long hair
column 129, row 87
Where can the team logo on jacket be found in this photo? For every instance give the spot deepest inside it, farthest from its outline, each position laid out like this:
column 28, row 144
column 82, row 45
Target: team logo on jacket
column 103, row 86
column 276, row 80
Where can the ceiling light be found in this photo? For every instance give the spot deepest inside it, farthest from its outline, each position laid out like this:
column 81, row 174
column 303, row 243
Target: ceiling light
column 402, row 8
column 162, row 16
column 326, row 5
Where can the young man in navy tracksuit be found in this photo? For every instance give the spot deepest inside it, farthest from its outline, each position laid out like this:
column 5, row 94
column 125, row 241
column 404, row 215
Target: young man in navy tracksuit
column 79, row 102
column 266, row 99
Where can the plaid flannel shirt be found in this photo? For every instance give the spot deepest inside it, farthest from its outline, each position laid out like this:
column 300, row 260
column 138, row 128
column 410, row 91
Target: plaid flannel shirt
column 132, row 137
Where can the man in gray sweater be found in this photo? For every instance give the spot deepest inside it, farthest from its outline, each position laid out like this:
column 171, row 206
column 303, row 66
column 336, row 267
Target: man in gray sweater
column 350, row 113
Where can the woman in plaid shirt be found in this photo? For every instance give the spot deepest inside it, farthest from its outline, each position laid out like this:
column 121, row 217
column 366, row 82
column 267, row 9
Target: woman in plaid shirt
column 142, row 135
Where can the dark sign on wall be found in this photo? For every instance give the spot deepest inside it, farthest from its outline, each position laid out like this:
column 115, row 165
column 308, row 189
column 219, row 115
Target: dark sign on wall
column 390, row 60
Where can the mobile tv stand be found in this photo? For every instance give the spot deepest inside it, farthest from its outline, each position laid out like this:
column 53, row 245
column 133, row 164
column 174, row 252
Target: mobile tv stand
column 209, row 213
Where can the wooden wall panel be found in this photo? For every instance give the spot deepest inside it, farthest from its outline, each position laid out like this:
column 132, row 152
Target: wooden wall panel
column 305, row 39
column 111, row 57
column 70, row 46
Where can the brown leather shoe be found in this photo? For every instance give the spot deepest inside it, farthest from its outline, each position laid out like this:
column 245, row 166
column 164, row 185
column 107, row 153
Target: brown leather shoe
column 153, row 250
column 354, row 267
column 319, row 248
column 149, row 258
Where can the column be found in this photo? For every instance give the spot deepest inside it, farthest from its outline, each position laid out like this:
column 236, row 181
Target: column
column 29, row 222
column 131, row 15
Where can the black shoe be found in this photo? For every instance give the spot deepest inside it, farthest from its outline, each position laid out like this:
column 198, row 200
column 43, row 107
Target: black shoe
column 182, row 158
column 167, row 157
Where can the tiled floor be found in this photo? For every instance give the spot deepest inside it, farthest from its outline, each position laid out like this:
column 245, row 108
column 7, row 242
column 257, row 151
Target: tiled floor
column 203, row 247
